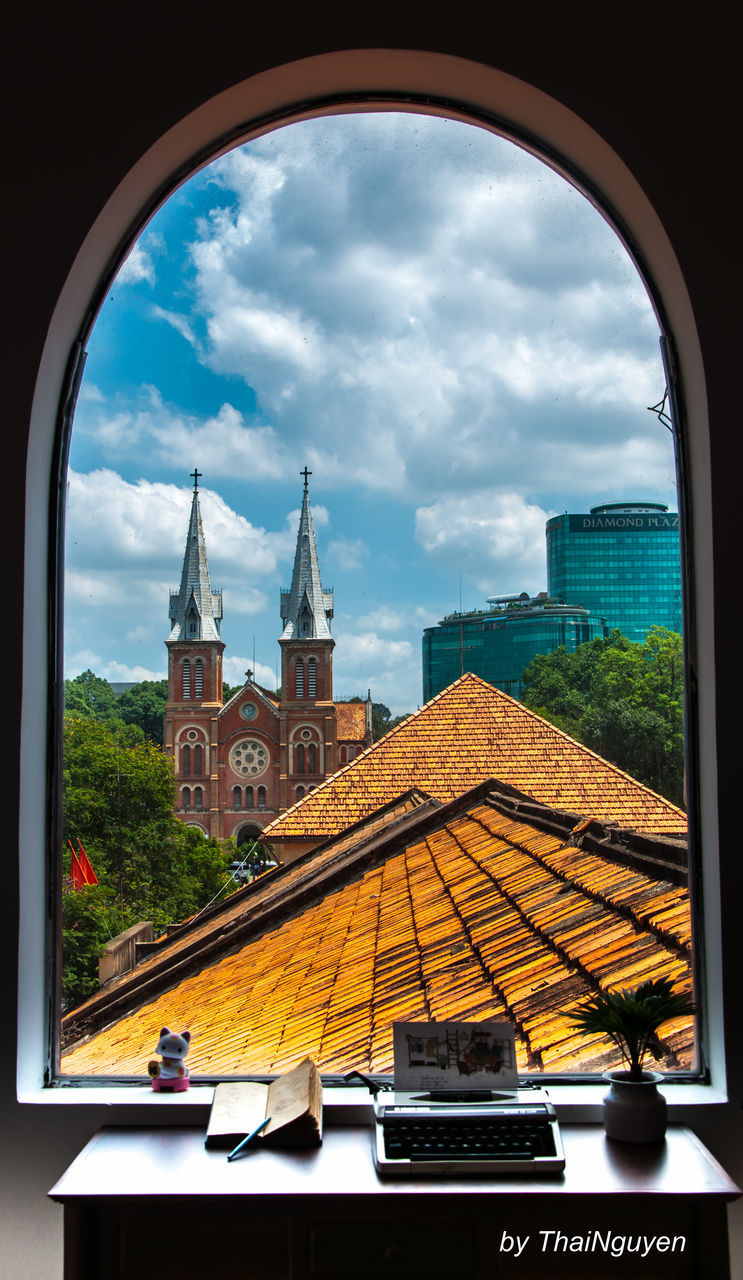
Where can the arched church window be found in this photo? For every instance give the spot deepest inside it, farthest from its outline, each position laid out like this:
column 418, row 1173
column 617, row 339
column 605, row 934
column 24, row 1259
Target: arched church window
column 312, row 678
column 198, row 753
column 237, row 798
column 299, row 678
column 312, row 758
column 186, row 798
column 342, row 755
column 299, row 758
column 186, row 678
column 185, row 760
column 300, row 793
column 261, row 797
column 198, row 679
column 249, row 802
column 198, row 798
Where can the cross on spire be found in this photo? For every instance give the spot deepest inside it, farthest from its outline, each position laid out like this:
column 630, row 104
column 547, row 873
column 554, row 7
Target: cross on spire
column 196, row 475
column 305, row 473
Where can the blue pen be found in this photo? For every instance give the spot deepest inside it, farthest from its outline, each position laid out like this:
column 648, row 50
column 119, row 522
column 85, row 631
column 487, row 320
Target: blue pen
column 249, row 1138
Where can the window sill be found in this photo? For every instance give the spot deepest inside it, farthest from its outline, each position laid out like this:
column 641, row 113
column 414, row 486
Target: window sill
column 346, row 1105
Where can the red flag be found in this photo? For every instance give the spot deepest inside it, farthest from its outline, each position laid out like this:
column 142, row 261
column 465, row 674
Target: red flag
column 89, row 874
column 76, row 871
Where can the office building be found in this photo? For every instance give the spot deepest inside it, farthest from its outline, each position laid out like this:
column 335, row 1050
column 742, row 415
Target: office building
column 620, row 561
column 498, row 643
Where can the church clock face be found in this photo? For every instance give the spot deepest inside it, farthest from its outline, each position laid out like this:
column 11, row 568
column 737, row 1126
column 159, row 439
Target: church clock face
column 249, row 758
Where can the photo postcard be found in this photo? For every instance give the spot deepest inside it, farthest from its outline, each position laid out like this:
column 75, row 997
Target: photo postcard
column 460, row 1057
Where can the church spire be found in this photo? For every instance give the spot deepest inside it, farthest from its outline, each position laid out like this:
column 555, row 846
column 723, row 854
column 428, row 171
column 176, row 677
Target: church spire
column 195, row 609
column 306, row 608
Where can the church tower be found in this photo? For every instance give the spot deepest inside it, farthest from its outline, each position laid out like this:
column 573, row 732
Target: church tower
column 308, row 716
column 194, row 702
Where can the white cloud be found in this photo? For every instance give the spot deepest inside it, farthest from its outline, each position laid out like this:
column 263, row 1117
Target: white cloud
column 138, row 265
column 347, row 553
column 390, row 668
column 496, row 537
column 410, row 310
column 115, row 672
column 178, row 322
column 226, row 444
column 235, row 669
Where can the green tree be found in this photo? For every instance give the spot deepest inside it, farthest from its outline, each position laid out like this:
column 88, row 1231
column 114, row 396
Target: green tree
column 383, row 720
column 144, row 705
column 89, row 696
column 622, row 699
column 89, row 922
column 118, row 801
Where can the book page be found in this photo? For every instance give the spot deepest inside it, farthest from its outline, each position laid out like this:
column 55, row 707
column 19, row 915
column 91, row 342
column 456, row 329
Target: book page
column 238, row 1108
column 290, row 1096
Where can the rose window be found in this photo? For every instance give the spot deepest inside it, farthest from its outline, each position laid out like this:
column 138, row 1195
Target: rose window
column 249, row 758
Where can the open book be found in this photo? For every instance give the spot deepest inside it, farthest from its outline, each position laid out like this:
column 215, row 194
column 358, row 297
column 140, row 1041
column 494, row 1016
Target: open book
column 293, row 1101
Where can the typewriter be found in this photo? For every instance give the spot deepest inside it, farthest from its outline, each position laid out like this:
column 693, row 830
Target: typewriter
column 419, row 1134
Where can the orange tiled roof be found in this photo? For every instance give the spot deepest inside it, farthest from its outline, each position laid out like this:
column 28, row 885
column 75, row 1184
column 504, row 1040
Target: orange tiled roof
column 464, row 735
column 480, row 913
column 350, row 720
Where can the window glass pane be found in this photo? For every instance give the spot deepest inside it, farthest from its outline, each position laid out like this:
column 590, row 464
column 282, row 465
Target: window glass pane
column 405, row 357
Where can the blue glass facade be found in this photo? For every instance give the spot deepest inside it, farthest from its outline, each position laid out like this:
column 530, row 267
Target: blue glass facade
column 621, row 561
column 498, row 644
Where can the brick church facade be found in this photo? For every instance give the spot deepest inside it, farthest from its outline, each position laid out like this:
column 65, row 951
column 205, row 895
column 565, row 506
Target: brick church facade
column 240, row 764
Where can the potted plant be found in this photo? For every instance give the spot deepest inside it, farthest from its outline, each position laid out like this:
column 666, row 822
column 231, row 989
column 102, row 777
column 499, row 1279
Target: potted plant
column 634, row 1110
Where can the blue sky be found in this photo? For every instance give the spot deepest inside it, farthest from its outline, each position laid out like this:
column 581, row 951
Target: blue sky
column 441, row 328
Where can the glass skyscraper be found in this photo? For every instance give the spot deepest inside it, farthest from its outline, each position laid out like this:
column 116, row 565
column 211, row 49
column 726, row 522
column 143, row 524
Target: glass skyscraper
column 621, row 561
column 498, row 643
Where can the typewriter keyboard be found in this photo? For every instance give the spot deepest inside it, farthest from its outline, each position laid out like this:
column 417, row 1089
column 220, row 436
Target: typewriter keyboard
column 486, row 1138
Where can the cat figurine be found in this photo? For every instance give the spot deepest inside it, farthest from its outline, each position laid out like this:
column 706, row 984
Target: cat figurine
column 171, row 1075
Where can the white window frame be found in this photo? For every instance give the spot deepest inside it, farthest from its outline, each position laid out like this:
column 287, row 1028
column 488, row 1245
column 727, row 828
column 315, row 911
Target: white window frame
column 305, row 89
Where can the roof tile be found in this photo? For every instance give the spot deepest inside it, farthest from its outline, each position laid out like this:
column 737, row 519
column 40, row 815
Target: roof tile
column 473, row 918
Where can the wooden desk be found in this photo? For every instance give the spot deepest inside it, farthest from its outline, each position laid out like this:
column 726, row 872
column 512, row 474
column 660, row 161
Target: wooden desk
column 153, row 1204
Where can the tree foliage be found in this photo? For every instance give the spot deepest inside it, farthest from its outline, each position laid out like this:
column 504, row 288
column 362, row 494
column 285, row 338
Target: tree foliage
column 622, row 699
column 144, row 705
column 89, row 697
column 118, row 800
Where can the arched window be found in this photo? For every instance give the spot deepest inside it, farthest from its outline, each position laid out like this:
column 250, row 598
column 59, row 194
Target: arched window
column 299, row 678
column 198, row 679
column 300, row 793
column 342, row 755
column 299, row 758
column 186, row 798
column 249, row 802
column 261, row 797
column 198, row 753
column 312, row 678
column 299, row 693
column 198, row 798
column 186, row 678
column 237, row 798
column 185, row 761
column 312, row 758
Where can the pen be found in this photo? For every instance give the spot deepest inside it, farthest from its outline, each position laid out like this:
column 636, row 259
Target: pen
column 249, row 1138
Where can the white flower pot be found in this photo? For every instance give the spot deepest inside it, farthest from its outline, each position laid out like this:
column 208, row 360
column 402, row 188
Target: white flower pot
column 634, row 1110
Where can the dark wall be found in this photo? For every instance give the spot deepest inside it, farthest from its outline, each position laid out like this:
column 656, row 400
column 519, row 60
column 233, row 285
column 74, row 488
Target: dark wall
column 89, row 88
